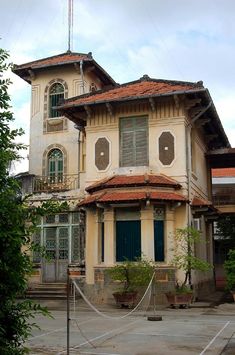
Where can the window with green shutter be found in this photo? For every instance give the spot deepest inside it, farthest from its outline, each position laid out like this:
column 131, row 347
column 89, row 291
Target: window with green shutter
column 55, row 166
column 134, row 141
column 56, row 95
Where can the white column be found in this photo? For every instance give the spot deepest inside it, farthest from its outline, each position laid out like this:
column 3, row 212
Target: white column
column 147, row 232
column 91, row 244
column 169, row 231
column 109, row 237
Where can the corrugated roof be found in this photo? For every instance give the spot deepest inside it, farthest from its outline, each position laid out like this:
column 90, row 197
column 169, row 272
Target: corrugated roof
column 133, row 180
column 226, row 172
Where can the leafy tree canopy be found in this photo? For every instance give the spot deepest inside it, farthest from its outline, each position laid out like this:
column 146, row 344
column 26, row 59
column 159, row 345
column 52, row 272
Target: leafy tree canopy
column 17, row 223
column 225, row 230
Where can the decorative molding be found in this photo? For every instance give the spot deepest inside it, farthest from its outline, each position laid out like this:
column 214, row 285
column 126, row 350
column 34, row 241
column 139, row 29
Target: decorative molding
column 45, row 156
column 46, row 127
column 88, row 111
column 152, row 104
column 35, row 100
column 109, row 108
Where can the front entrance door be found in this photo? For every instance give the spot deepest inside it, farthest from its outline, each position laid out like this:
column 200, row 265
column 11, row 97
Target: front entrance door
column 128, row 240
column 56, row 242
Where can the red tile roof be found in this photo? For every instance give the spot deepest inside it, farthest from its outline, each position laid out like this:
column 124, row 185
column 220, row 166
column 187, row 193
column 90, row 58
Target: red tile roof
column 226, row 172
column 133, row 180
column 126, row 196
column 200, row 202
column 144, row 87
column 63, row 58
column 22, row 70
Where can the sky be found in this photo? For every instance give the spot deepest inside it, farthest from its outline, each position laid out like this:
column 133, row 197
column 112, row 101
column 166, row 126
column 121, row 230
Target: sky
column 167, row 39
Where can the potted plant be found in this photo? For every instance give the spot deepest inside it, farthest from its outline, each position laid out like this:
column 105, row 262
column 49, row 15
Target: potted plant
column 184, row 260
column 229, row 267
column 130, row 276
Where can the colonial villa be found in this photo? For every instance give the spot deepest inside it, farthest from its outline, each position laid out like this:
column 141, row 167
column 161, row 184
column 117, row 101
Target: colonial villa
column 133, row 161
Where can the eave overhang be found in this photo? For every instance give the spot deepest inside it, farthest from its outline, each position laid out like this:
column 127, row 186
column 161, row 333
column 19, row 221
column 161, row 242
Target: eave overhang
column 221, row 158
column 204, row 114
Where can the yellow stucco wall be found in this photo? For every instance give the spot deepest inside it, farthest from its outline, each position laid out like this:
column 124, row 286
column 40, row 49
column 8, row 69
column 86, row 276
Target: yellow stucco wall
column 68, row 138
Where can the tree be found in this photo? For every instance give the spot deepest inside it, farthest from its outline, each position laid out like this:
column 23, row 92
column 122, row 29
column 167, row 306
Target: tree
column 17, row 223
column 184, row 258
column 225, row 231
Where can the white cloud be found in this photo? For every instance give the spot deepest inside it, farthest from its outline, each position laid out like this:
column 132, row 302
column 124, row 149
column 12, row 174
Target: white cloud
column 185, row 40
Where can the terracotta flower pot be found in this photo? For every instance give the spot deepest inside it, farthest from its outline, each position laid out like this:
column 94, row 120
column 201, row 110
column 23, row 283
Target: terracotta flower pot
column 233, row 293
column 125, row 299
column 182, row 300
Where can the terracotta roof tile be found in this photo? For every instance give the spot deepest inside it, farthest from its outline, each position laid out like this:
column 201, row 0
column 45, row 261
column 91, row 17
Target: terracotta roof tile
column 125, row 196
column 133, row 180
column 54, row 60
column 135, row 89
column 226, row 172
column 161, row 195
column 200, row 202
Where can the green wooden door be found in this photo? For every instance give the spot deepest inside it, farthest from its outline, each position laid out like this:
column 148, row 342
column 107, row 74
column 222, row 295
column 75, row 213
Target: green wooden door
column 128, row 240
column 159, row 240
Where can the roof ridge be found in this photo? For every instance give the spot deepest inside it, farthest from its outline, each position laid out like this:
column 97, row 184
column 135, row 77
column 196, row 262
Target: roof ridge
column 198, row 84
column 89, row 94
column 169, row 178
column 55, row 56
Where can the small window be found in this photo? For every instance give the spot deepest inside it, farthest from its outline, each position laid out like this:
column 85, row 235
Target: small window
column 55, row 166
column 56, row 95
column 49, row 219
column 93, row 87
column 134, row 141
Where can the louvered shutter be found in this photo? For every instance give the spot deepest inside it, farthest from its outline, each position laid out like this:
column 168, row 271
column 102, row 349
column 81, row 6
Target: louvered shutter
column 134, row 141
column 141, row 141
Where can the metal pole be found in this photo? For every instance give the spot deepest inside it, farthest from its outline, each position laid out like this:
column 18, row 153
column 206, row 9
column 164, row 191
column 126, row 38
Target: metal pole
column 68, row 312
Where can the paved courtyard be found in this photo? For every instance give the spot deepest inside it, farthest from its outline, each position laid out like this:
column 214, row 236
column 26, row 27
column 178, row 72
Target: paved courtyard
column 181, row 331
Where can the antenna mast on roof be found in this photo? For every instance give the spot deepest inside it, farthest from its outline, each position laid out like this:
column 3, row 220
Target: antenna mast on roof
column 70, row 24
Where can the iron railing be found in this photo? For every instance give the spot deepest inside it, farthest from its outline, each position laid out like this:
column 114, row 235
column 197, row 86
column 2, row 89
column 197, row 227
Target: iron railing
column 224, row 196
column 55, row 183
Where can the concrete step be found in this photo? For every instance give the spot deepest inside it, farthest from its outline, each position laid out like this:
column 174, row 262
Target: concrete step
column 47, row 291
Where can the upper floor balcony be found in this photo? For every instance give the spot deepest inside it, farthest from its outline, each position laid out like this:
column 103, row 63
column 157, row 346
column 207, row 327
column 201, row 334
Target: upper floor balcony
column 48, row 184
column 224, row 198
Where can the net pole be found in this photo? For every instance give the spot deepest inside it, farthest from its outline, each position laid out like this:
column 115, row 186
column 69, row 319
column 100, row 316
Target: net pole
column 68, row 313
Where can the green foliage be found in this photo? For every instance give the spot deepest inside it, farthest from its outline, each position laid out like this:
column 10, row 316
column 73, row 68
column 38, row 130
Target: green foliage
column 181, row 289
column 184, row 258
column 226, row 230
column 229, row 267
column 132, row 274
column 17, row 223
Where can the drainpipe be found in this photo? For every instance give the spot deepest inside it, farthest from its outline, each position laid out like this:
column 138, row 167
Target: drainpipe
column 77, row 127
column 82, row 76
column 189, row 169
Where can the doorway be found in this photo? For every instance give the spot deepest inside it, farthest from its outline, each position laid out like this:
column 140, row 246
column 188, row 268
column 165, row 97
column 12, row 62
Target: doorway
column 56, row 242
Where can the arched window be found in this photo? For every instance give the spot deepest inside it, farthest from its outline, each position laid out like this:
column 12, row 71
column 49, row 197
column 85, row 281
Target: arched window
column 56, row 95
column 55, row 166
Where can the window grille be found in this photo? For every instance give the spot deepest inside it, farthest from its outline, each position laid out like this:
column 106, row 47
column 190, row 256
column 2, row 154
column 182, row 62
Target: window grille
column 37, row 242
column 56, row 95
column 55, row 166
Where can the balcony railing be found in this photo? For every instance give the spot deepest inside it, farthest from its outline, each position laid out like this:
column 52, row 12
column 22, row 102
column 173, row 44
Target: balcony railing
column 224, row 197
column 55, row 183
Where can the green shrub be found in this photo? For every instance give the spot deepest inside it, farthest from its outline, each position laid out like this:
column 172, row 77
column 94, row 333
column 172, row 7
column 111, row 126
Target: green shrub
column 229, row 267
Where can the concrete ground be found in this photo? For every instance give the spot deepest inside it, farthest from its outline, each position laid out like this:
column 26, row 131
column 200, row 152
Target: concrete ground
column 201, row 329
